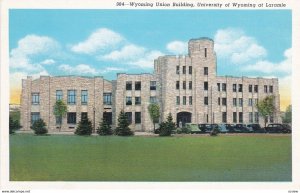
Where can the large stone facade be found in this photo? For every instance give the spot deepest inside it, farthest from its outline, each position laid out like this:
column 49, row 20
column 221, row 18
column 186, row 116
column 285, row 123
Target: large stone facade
column 185, row 86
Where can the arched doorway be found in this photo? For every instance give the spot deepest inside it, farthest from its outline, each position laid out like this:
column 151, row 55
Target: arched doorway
column 184, row 117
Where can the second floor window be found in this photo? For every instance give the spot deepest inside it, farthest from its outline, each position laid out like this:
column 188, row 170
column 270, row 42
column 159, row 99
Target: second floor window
column 224, row 101
column 190, row 70
column 205, row 70
column 84, row 97
column 128, row 100
column 137, row 100
column 177, row 100
column 35, row 98
column 184, row 100
column 59, row 95
column 205, row 100
column 184, row 85
column 177, row 70
column 107, row 98
column 205, row 85
column 234, row 102
column 71, row 97
column 224, row 87
column 183, row 69
column 190, row 85
column 177, row 85
column 240, row 102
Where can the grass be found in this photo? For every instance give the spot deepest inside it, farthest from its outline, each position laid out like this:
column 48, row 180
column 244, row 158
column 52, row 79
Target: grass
column 97, row 158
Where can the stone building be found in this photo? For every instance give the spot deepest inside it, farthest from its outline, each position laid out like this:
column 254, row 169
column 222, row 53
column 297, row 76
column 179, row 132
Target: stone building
column 185, row 86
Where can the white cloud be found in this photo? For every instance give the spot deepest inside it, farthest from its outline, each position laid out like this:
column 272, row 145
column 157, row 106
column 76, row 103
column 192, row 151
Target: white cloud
column 177, row 47
column 238, row 48
column 99, row 40
column 128, row 52
column 78, row 69
column 48, row 62
column 147, row 61
column 268, row 67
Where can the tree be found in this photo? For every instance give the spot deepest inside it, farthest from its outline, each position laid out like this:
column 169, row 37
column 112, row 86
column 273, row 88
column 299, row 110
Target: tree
column 60, row 111
column 39, row 127
column 266, row 107
column 13, row 125
column 84, row 127
column 123, row 125
column 287, row 118
column 167, row 127
column 104, row 128
column 154, row 113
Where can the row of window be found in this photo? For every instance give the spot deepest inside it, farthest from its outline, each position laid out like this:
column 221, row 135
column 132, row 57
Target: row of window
column 71, row 97
column 239, row 88
column 138, row 85
column 184, row 102
column 205, row 70
column 238, row 117
column 138, row 100
column 184, row 85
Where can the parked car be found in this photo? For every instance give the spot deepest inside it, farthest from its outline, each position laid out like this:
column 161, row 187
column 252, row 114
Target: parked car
column 230, row 128
column 207, row 128
column 278, row 128
column 241, row 128
column 193, row 128
column 223, row 128
column 255, row 128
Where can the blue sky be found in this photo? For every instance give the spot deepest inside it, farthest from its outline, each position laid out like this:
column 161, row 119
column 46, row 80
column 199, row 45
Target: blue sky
column 106, row 42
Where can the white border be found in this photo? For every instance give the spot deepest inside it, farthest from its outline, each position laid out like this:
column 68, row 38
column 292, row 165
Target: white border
column 5, row 184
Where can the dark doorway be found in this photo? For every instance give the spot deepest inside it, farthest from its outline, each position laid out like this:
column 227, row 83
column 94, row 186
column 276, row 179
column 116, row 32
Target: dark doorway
column 108, row 117
column 184, row 117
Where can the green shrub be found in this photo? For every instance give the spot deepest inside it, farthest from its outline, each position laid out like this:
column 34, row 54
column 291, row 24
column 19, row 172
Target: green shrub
column 104, row 128
column 167, row 127
column 123, row 126
column 39, row 127
column 13, row 125
column 84, row 127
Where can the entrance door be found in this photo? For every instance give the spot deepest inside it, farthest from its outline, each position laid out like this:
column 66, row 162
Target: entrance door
column 184, row 117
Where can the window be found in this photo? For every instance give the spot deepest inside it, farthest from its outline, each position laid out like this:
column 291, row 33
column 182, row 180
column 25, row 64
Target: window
column 205, row 100
column 84, row 97
column 234, row 117
column 255, row 101
column 205, row 85
column 190, row 100
column 128, row 85
column 128, row 100
column 137, row 100
column 152, row 99
column 177, row 100
column 184, row 100
column 35, row 117
column 35, row 98
column 250, row 103
column 84, row 115
column 219, row 88
column 240, row 88
column 59, row 95
column 265, row 89
column 256, row 117
column 177, row 70
column 152, row 85
column 271, row 89
column 234, row 87
column 184, row 85
column 190, row 85
column 137, row 117
column 224, row 117
column 240, row 117
column 71, row 97
column 205, row 70
column 183, row 69
column 271, row 119
column 240, row 102
column 234, row 102
column 71, row 118
column 219, row 101
column 190, row 70
column 58, row 120
column 250, row 117
column 224, row 87
column 256, row 88
column 205, row 52
column 250, row 88
column 129, row 117
column 107, row 98
column 137, row 85
column 177, row 85
column 224, row 101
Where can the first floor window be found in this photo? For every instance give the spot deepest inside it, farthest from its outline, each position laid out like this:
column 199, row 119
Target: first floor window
column 271, row 89
column 177, row 100
column 224, row 101
column 177, row 70
column 34, row 117
column 184, row 85
column 177, row 85
column 71, row 118
column 184, row 100
column 137, row 117
column 153, row 99
column 137, row 100
column 128, row 100
column 205, row 70
column 265, row 89
column 250, row 117
column 58, row 120
column 129, row 117
column 240, row 117
column 84, row 97
column 205, row 100
column 71, row 97
column 224, row 117
column 59, row 95
column 190, row 100
column 183, row 69
column 190, row 85
column 234, row 102
column 250, row 103
column 35, row 98
column 190, row 70
column 240, row 102
column 234, row 117
column 205, row 85
column 84, row 115
column 107, row 98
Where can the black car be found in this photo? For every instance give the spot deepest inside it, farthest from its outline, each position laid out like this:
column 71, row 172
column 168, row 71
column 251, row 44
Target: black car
column 241, row 128
column 230, row 128
column 207, row 128
column 278, row 128
column 255, row 128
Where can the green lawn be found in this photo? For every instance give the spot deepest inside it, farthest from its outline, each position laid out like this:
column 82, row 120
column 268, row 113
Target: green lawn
column 185, row 158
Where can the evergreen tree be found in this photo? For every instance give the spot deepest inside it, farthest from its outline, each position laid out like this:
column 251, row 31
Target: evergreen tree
column 84, row 127
column 39, row 127
column 13, row 125
column 123, row 125
column 104, row 128
column 167, row 127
